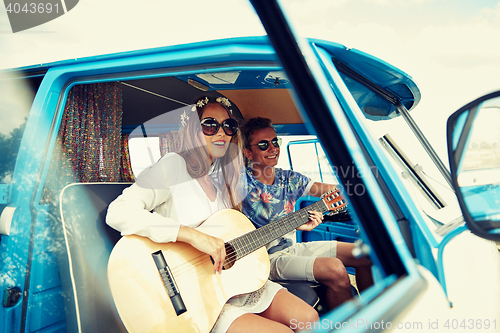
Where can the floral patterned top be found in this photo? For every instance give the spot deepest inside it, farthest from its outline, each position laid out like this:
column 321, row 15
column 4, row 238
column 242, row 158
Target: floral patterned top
column 265, row 203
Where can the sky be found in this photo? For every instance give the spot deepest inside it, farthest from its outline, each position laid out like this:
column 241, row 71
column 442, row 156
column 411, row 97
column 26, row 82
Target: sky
column 449, row 47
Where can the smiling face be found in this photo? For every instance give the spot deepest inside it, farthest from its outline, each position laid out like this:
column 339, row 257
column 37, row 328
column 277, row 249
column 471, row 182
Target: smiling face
column 217, row 144
column 263, row 158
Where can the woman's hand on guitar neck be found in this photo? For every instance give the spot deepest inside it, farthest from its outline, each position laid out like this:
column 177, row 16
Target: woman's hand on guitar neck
column 213, row 246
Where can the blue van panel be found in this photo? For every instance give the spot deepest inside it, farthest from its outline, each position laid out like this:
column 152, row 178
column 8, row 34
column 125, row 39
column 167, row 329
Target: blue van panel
column 48, row 309
column 45, row 264
column 46, row 271
column 331, row 231
column 46, row 306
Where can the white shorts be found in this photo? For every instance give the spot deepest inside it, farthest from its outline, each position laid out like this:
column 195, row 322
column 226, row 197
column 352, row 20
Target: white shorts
column 296, row 262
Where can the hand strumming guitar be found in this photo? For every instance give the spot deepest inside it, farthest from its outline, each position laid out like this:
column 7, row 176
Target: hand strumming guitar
column 210, row 245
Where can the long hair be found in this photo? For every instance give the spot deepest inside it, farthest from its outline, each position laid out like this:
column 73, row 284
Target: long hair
column 226, row 169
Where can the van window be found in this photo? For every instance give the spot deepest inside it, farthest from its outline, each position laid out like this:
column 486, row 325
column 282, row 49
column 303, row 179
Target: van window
column 16, row 96
column 143, row 153
column 307, row 157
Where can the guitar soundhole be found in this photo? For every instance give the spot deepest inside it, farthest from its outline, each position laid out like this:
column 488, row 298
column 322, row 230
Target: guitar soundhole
column 230, row 257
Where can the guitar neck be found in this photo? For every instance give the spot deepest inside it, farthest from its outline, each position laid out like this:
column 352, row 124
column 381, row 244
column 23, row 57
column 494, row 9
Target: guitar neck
column 262, row 236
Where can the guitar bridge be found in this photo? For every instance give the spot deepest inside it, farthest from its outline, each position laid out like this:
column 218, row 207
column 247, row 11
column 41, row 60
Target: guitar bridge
column 169, row 283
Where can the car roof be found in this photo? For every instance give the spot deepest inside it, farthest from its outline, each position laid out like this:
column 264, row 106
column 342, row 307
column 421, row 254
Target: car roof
column 259, row 90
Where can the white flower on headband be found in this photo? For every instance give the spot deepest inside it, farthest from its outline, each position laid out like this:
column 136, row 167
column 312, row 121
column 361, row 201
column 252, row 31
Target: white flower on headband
column 202, row 102
column 223, row 101
column 184, row 118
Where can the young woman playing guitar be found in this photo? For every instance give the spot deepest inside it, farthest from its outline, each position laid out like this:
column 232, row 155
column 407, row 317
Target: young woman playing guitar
column 174, row 196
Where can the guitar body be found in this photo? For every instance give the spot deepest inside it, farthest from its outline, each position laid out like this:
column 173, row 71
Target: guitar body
column 140, row 295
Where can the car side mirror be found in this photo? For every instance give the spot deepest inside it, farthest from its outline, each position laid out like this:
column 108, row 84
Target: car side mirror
column 473, row 135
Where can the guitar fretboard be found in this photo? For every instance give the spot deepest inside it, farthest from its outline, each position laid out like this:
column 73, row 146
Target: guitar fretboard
column 262, row 236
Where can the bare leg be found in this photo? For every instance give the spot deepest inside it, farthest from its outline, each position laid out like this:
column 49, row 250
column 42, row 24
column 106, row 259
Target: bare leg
column 287, row 313
column 332, row 273
column 251, row 323
column 364, row 277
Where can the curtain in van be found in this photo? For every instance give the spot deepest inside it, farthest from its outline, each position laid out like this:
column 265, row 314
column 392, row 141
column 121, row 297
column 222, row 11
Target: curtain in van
column 169, row 142
column 126, row 174
column 89, row 146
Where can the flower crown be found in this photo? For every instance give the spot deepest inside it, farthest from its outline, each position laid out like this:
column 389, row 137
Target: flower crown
column 201, row 103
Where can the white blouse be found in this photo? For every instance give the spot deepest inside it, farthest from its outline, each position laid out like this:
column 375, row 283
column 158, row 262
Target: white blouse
column 163, row 197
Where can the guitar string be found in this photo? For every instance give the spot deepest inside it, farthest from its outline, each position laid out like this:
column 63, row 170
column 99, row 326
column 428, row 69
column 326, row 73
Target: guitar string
column 232, row 256
column 252, row 243
column 201, row 260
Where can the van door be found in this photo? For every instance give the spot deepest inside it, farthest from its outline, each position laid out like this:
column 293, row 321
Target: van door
column 17, row 174
column 381, row 205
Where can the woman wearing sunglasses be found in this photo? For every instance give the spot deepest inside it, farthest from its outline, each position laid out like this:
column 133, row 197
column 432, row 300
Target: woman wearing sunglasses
column 183, row 189
column 272, row 193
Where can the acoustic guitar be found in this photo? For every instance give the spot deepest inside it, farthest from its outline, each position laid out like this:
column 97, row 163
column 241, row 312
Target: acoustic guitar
column 171, row 287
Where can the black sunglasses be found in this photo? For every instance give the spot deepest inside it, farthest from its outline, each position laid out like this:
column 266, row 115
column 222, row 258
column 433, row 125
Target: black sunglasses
column 210, row 126
column 264, row 144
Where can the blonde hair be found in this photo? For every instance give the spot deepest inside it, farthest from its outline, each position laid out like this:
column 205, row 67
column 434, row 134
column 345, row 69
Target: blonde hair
column 193, row 151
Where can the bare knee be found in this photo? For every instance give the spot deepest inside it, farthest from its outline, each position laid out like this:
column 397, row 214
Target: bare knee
column 251, row 323
column 363, row 263
column 311, row 315
column 333, row 273
column 283, row 329
column 305, row 321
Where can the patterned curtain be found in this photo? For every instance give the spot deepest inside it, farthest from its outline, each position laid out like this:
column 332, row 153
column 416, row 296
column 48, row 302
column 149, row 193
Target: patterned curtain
column 169, row 142
column 89, row 146
column 125, row 168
